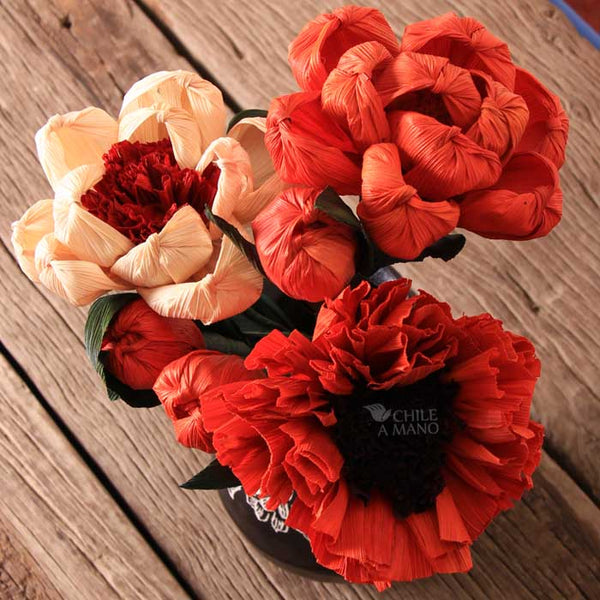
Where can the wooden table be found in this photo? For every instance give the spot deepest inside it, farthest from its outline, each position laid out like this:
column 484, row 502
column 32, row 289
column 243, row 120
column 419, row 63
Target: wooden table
column 89, row 503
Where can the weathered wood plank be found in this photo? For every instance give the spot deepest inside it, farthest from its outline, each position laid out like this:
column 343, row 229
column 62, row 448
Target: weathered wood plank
column 546, row 289
column 21, row 578
column 77, row 542
column 136, row 449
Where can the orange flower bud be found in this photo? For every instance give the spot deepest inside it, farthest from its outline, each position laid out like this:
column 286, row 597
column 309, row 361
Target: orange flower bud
column 310, row 148
column 525, row 203
column 304, row 251
column 465, row 41
column 139, row 343
column 319, row 46
column 400, row 222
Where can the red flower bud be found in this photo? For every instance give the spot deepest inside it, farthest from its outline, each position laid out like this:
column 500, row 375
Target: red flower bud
column 139, row 343
column 304, row 251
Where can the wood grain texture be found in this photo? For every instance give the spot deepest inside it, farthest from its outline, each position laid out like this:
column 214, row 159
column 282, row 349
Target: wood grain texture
column 546, row 289
column 546, row 548
column 77, row 541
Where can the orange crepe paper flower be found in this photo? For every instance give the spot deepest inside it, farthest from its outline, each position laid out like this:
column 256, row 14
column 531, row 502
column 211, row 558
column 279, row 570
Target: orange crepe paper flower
column 129, row 200
column 327, row 420
column 304, row 251
column 139, row 343
column 448, row 96
column 182, row 384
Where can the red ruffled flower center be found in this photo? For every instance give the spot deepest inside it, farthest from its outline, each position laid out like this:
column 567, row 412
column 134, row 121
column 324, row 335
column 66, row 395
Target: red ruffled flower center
column 143, row 186
column 394, row 441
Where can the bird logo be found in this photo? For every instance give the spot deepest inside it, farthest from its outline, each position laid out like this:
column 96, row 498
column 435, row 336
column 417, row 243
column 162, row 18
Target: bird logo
column 379, row 412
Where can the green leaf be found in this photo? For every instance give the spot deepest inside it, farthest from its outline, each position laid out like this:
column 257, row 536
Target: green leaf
column 247, row 248
column 100, row 315
column 329, row 202
column 445, row 248
column 244, row 114
column 226, row 345
column 213, row 477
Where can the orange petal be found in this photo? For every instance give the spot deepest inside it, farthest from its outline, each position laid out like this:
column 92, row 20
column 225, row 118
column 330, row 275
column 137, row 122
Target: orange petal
column 399, row 222
column 233, row 287
column 173, row 255
column 78, row 281
column 318, row 47
column 27, row 232
column 74, row 139
column 349, row 96
column 502, row 120
column 308, row 147
column 410, row 72
column 548, row 127
column 525, row 203
column 440, row 161
column 465, row 41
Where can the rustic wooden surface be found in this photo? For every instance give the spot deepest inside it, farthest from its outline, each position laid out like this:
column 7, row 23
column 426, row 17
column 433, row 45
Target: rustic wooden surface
column 98, row 492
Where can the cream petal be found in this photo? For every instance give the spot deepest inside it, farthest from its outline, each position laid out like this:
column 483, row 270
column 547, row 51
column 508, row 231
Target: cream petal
column 252, row 204
column 173, row 255
column 250, row 133
column 159, row 122
column 80, row 282
column 235, row 180
column 233, row 287
column 27, row 232
column 87, row 236
column 74, row 139
column 181, row 89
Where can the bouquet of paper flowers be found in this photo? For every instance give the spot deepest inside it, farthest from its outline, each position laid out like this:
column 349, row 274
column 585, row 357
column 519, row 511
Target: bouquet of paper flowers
column 251, row 275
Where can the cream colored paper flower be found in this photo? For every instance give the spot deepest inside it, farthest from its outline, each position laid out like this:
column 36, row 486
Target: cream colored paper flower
column 129, row 197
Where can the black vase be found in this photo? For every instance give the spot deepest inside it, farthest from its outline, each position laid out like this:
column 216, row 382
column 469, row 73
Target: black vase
column 267, row 531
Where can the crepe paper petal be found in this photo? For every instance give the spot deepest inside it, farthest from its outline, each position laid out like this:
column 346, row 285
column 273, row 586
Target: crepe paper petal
column 250, row 133
column 501, row 122
column 440, row 161
column 233, row 287
column 185, row 90
column 450, row 522
column 318, row 47
column 158, row 122
column 173, row 255
column 80, row 282
column 74, row 139
column 302, row 250
column 182, row 384
column 548, row 127
column 465, row 41
column 394, row 215
column 28, row 231
column 308, row 147
column 349, row 96
column 411, row 72
column 525, row 203
column 88, row 237
column 235, row 180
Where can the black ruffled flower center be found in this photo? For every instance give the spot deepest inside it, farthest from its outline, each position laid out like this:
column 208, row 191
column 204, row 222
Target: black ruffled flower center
column 394, row 441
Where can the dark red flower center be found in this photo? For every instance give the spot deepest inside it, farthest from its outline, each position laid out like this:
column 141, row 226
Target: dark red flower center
column 143, row 186
column 394, row 441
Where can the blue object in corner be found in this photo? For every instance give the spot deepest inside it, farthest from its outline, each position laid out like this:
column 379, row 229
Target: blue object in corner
column 584, row 28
